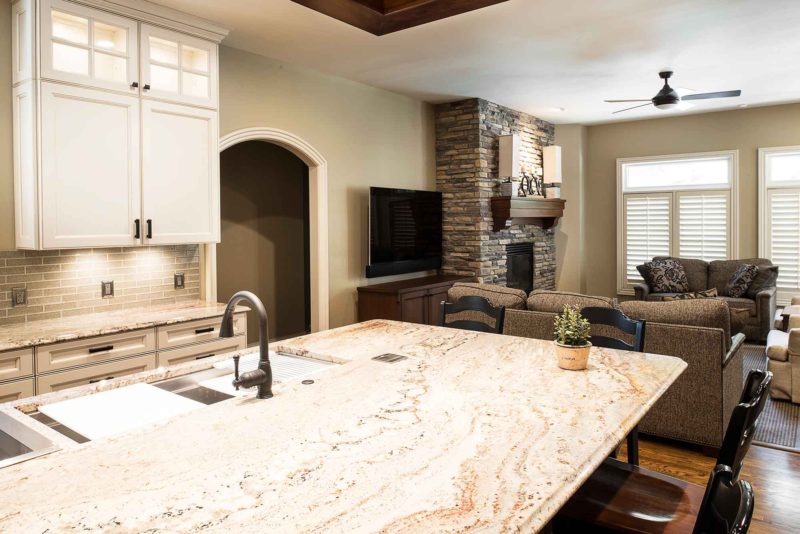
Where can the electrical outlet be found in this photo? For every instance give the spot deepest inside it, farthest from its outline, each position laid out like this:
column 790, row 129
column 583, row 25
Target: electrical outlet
column 107, row 289
column 180, row 281
column 19, row 296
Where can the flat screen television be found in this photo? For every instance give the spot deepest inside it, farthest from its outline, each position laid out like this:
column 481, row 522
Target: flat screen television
column 405, row 231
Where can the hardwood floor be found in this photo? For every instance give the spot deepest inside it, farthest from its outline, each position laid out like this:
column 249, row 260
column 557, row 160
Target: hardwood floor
column 774, row 474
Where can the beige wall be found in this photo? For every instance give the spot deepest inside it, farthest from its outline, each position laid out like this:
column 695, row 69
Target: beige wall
column 569, row 232
column 368, row 137
column 6, row 176
column 745, row 130
column 263, row 234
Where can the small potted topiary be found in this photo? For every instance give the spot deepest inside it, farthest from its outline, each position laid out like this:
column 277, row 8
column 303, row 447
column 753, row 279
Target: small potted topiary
column 572, row 334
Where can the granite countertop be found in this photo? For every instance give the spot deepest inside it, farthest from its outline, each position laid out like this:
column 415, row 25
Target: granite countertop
column 18, row 336
column 472, row 432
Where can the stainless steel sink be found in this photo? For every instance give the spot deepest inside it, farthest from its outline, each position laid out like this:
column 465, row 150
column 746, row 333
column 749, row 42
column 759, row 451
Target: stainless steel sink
column 18, row 442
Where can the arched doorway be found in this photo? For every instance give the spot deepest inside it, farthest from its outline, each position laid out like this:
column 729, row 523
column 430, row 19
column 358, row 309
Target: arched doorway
column 318, row 218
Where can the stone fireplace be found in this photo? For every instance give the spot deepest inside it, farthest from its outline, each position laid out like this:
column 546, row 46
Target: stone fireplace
column 467, row 135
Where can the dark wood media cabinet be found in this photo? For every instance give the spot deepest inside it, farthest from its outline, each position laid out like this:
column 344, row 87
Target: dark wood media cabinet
column 413, row 301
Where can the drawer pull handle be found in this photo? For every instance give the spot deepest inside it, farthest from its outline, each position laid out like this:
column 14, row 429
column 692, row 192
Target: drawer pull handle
column 95, row 380
column 205, row 330
column 105, row 348
column 206, row 356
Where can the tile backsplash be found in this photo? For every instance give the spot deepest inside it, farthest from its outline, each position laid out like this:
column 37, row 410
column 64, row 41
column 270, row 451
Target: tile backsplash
column 64, row 283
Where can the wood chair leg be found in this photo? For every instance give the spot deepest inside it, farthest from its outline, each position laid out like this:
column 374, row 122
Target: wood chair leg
column 633, row 446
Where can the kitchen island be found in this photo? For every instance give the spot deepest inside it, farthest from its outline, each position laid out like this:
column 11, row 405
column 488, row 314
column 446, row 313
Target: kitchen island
column 470, row 431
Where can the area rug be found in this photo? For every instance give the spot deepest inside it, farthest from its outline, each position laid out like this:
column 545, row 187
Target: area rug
column 779, row 425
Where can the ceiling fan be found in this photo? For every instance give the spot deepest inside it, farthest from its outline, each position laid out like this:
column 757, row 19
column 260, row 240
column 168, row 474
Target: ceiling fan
column 668, row 98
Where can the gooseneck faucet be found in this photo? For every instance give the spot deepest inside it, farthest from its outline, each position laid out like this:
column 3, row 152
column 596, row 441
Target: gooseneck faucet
column 262, row 376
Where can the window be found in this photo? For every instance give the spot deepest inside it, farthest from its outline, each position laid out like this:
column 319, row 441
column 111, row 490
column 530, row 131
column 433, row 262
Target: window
column 779, row 215
column 680, row 205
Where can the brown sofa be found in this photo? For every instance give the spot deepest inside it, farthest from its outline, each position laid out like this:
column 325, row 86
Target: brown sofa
column 703, row 275
column 697, row 407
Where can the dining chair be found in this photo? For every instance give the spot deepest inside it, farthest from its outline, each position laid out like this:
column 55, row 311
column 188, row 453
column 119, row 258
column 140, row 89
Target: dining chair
column 474, row 307
column 615, row 319
column 620, row 497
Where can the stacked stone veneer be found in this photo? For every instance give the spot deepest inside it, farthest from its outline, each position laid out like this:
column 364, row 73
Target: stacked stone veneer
column 467, row 135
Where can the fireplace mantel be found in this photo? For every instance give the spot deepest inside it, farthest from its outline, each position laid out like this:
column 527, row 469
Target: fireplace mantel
column 543, row 212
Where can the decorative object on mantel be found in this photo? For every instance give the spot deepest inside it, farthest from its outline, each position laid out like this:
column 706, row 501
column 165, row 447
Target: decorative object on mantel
column 508, row 163
column 521, row 193
column 551, row 160
column 543, row 212
column 572, row 344
column 506, row 188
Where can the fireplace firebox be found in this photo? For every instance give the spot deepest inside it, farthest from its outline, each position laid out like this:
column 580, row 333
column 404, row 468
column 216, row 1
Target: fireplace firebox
column 519, row 266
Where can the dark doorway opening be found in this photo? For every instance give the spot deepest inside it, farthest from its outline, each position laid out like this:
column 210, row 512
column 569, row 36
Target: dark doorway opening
column 265, row 235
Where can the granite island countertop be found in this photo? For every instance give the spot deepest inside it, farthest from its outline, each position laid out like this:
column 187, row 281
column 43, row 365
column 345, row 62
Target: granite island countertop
column 472, row 432
column 18, row 336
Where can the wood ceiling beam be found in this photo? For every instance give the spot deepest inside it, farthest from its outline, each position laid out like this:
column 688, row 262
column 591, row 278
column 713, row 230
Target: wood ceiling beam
column 380, row 17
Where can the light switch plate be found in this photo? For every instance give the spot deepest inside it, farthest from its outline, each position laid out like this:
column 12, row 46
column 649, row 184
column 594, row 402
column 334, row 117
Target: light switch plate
column 19, row 297
column 107, row 289
column 180, row 281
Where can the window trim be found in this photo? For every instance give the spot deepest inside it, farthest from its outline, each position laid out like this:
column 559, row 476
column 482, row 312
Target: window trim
column 623, row 288
column 763, row 190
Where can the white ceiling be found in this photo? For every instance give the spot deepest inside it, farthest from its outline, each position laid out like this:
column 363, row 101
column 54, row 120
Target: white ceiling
column 540, row 55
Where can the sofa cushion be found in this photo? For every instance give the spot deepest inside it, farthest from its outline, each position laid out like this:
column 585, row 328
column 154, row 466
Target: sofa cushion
column 739, row 319
column 741, row 303
column 778, row 345
column 710, row 313
column 696, row 271
column 497, row 295
column 740, row 280
column 664, row 276
column 554, row 301
column 767, row 277
column 707, row 294
column 720, row 271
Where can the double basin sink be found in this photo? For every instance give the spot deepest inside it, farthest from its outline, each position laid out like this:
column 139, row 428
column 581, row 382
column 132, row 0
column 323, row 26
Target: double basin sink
column 125, row 409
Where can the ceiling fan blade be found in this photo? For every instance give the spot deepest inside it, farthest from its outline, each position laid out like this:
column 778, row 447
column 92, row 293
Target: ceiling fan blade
column 634, row 107
column 718, row 94
column 637, row 100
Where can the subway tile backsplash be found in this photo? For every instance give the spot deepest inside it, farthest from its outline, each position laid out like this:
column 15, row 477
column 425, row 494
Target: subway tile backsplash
column 64, row 283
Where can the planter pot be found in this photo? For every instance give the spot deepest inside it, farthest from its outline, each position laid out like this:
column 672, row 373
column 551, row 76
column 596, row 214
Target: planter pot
column 572, row 358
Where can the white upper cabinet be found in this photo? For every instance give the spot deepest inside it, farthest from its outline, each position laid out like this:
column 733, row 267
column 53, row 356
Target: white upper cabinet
column 90, row 167
column 178, row 67
column 180, row 164
column 115, row 127
column 90, row 47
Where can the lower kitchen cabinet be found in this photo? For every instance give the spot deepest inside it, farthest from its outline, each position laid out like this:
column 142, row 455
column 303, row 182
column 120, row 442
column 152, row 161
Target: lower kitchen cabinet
column 16, row 389
column 94, row 373
column 203, row 350
column 16, row 364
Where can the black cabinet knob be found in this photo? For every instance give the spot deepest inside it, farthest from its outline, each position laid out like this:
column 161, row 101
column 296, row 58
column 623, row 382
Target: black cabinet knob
column 134, row 85
column 146, row 87
column 149, row 228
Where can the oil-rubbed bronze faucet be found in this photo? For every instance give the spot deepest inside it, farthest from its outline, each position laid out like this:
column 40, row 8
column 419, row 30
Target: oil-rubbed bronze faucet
column 262, row 376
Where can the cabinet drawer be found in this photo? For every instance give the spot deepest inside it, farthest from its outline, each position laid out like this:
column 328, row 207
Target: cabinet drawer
column 18, row 389
column 16, row 364
column 177, row 335
column 203, row 350
column 94, row 373
column 94, row 350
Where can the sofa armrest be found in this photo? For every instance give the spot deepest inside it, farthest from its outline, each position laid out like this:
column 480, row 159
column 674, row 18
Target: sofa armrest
column 766, row 306
column 737, row 342
column 641, row 291
column 793, row 347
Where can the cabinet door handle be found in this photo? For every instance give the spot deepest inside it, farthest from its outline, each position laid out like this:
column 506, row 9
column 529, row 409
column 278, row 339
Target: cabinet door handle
column 206, row 356
column 146, row 87
column 149, row 228
column 205, row 330
column 95, row 380
column 134, row 85
column 105, row 348
column 137, row 232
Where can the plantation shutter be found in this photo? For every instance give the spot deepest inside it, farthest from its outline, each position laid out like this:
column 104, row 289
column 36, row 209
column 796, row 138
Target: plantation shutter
column 703, row 225
column 647, row 230
column 783, row 223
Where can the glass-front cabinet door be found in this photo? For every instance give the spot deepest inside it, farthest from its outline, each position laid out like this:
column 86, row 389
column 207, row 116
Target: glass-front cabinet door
column 89, row 47
column 178, row 67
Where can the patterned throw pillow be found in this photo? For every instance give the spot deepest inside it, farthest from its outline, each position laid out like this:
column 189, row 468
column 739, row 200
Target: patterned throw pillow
column 767, row 277
column 664, row 276
column 741, row 279
column 707, row 294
